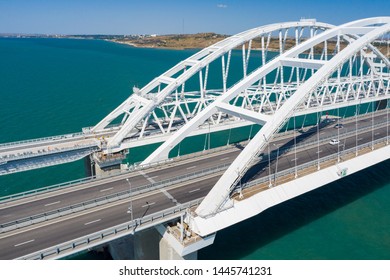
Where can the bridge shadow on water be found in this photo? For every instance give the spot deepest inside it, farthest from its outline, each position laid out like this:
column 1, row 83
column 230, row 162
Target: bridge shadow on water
column 246, row 239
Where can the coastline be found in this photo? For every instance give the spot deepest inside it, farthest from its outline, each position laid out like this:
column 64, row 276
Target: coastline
column 144, row 46
column 169, row 48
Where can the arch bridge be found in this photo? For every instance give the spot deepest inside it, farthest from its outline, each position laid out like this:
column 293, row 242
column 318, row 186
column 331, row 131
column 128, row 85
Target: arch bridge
column 267, row 76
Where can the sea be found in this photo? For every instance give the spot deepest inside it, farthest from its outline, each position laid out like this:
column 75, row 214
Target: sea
column 58, row 86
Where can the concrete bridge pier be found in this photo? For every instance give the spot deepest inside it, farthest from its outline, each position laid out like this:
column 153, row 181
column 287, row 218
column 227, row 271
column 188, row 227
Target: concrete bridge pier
column 178, row 243
column 101, row 165
column 158, row 243
column 142, row 245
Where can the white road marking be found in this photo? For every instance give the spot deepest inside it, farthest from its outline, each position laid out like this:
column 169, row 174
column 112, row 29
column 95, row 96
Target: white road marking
column 148, row 204
column 224, row 158
column 377, row 133
column 194, row 190
column 95, row 221
column 147, row 177
column 32, row 240
column 191, row 167
column 322, row 133
column 106, row 189
column 294, row 159
column 153, row 177
column 318, row 152
column 359, row 139
column 171, row 198
column 52, row 203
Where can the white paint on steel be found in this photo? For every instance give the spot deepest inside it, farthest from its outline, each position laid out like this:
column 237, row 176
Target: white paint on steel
column 138, row 110
column 223, row 187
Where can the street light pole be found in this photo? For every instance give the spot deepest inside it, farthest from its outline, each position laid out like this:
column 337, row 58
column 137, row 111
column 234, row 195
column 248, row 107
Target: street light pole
column 131, row 202
column 269, row 162
column 276, row 167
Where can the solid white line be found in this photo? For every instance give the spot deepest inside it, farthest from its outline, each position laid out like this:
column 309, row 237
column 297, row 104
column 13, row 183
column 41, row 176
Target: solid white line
column 377, row 133
column 92, row 222
column 153, row 177
column 52, row 203
column 224, row 158
column 147, row 205
column 318, row 152
column 32, row 240
column 294, row 159
column 194, row 190
column 191, row 167
column 106, row 189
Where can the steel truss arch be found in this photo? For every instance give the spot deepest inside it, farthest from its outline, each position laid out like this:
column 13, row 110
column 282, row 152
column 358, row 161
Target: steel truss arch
column 140, row 106
column 369, row 29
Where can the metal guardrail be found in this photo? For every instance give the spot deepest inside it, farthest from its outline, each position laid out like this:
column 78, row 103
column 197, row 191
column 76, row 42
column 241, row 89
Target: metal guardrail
column 103, row 236
column 43, row 139
column 50, row 160
column 133, row 167
column 292, row 170
column 138, row 166
column 85, row 205
column 345, row 134
column 13, row 157
column 106, row 235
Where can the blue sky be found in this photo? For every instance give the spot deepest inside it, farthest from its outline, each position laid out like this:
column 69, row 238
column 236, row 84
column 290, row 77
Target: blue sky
column 172, row 16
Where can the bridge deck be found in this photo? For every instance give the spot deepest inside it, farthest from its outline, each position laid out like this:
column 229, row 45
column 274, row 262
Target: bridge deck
column 70, row 226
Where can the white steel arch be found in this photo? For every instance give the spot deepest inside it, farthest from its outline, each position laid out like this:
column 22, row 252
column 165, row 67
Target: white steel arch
column 140, row 105
column 369, row 30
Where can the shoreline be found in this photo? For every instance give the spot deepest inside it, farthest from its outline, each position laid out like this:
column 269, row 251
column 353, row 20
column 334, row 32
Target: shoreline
column 170, row 48
column 150, row 46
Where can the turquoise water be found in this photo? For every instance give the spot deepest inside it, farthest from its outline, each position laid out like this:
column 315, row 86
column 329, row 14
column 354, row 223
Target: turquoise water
column 57, row 86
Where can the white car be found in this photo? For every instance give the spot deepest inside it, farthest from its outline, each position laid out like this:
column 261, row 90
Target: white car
column 334, row 142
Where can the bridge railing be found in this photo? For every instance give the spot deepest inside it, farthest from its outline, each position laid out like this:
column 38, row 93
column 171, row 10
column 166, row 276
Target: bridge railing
column 137, row 166
column 53, row 159
column 133, row 167
column 346, row 133
column 106, row 235
column 43, row 139
column 85, row 205
column 315, row 163
column 44, row 152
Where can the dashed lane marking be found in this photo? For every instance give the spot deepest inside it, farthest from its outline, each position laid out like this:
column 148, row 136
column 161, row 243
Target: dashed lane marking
column 195, row 190
column 95, row 221
column 20, row 244
column 52, row 203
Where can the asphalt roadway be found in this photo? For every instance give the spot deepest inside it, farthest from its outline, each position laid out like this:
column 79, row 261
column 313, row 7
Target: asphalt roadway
column 23, row 241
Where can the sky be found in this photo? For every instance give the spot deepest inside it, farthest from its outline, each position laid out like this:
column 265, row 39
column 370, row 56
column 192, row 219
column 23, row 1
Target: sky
column 173, row 16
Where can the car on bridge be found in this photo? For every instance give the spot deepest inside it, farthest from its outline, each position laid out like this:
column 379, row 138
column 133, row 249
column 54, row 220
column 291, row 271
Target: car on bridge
column 339, row 125
column 334, row 142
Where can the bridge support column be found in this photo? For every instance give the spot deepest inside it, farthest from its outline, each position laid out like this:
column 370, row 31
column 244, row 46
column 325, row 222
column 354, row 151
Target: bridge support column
column 101, row 165
column 160, row 242
column 172, row 248
column 89, row 167
column 142, row 245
